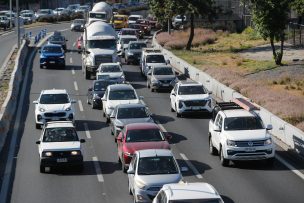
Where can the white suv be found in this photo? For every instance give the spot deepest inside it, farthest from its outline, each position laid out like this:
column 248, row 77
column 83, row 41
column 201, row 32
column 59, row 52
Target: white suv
column 188, row 192
column 59, row 145
column 118, row 94
column 237, row 132
column 53, row 105
column 190, row 97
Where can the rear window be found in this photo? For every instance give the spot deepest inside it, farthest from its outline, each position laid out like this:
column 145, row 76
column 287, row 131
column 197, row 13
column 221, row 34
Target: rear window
column 122, row 95
column 52, row 49
column 155, row 59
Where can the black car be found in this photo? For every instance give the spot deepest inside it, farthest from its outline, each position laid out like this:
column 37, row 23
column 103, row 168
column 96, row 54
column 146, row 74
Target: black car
column 58, row 39
column 96, row 92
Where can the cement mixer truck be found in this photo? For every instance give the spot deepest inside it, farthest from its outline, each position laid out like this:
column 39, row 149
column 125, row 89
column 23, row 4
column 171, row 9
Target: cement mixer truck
column 99, row 40
column 100, row 12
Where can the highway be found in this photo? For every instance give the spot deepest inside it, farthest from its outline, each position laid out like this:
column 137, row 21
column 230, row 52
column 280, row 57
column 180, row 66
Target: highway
column 102, row 179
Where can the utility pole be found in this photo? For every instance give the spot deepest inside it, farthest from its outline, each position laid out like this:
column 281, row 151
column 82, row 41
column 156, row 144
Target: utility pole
column 18, row 24
column 11, row 10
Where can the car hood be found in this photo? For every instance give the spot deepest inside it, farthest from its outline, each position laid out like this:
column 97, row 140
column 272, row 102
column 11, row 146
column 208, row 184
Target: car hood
column 159, row 180
column 54, row 107
column 244, row 135
column 135, row 146
column 113, row 75
column 194, row 97
column 135, row 120
column 60, row 146
column 164, row 77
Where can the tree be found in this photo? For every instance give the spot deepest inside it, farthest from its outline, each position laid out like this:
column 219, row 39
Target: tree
column 270, row 17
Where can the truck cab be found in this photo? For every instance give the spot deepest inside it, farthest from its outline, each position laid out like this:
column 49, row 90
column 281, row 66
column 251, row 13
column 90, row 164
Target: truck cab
column 236, row 133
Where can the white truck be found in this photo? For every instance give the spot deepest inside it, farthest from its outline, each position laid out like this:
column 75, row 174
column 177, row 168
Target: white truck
column 236, row 132
column 101, row 11
column 99, row 47
column 151, row 57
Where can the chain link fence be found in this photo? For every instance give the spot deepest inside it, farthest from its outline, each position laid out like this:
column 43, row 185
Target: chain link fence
column 295, row 34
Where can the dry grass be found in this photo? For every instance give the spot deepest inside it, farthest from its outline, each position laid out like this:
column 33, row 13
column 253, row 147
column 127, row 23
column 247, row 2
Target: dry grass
column 278, row 89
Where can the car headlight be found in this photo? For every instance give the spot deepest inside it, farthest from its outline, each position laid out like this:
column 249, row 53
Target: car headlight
column 231, row 143
column 140, row 184
column 41, row 109
column 122, row 77
column 75, row 153
column 268, row 141
column 68, row 109
column 154, row 81
column 62, row 57
column 48, row 154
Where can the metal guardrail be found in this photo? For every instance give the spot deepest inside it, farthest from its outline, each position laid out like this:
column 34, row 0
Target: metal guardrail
column 288, row 134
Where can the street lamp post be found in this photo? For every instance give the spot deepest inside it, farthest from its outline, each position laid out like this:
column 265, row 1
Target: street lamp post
column 11, row 10
column 18, row 24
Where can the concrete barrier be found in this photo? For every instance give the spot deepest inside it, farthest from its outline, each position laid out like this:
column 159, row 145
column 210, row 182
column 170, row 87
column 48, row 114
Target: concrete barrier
column 288, row 134
column 9, row 106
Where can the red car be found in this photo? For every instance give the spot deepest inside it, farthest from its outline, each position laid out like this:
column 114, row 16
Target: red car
column 139, row 136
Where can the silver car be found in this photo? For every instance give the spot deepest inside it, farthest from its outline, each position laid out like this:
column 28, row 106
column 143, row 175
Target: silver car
column 133, row 52
column 125, row 114
column 149, row 170
column 78, row 25
column 161, row 77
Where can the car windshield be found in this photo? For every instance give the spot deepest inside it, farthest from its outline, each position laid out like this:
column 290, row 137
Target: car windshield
column 138, row 45
column 54, row 99
column 102, row 44
column 27, row 15
column 57, row 38
column 110, row 69
column 188, row 90
column 243, row 123
column 157, row 165
column 98, row 15
column 144, row 135
column 196, row 201
column 60, row 134
column 52, row 49
column 163, row 71
column 133, row 18
column 101, row 85
column 79, row 21
column 155, row 59
column 122, row 95
column 137, row 112
column 135, row 26
column 118, row 18
column 128, row 32
column 127, row 40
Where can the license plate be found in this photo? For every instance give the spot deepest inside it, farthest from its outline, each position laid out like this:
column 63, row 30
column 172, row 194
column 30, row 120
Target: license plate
column 62, row 160
column 52, row 62
column 196, row 108
column 166, row 85
column 250, row 149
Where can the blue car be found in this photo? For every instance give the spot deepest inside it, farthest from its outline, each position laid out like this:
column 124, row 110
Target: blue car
column 52, row 55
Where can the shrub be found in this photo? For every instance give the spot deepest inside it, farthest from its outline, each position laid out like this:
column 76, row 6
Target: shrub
column 251, row 33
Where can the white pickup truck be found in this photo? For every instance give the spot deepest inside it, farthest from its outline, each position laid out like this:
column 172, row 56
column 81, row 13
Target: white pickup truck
column 237, row 132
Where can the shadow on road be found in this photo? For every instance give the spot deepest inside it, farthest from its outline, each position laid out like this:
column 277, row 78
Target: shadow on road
column 92, row 125
column 200, row 167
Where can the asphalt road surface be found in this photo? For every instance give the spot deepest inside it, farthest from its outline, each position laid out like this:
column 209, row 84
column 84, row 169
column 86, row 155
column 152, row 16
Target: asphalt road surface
column 103, row 179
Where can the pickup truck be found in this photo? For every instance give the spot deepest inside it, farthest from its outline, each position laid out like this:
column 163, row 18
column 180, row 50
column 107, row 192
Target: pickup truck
column 236, row 132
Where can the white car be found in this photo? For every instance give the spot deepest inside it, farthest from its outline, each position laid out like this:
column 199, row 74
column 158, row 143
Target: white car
column 188, row 192
column 133, row 18
column 190, row 97
column 237, row 133
column 53, row 105
column 149, row 170
column 118, row 94
column 151, row 57
column 59, row 145
column 110, row 71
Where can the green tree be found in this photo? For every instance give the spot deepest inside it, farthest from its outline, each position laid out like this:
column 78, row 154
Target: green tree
column 270, row 18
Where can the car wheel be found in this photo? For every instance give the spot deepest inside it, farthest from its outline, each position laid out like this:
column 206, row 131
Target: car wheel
column 41, row 66
column 129, row 187
column 224, row 162
column 177, row 114
column 107, row 120
column 212, row 149
column 38, row 126
column 103, row 114
column 42, row 169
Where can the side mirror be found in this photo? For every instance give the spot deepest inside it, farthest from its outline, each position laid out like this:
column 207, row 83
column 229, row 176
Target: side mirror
column 210, row 92
column 131, row 171
column 38, row 142
column 168, row 61
column 269, row 127
column 73, row 101
column 35, row 102
column 173, row 94
column 216, row 128
column 184, row 169
column 82, row 141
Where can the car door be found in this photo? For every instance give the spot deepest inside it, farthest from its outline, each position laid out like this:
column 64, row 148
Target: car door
column 173, row 95
column 133, row 165
column 216, row 135
column 104, row 100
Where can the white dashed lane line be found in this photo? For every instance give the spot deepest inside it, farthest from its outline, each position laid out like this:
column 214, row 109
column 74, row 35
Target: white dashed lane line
column 87, row 131
column 74, row 44
column 80, row 105
column 75, row 85
column 191, row 166
column 71, row 60
column 73, row 71
column 98, row 169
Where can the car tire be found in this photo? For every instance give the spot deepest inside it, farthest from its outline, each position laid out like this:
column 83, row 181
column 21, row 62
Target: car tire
column 212, row 149
column 42, row 169
column 177, row 114
column 38, row 126
column 129, row 188
column 103, row 114
column 107, row 120
column 224, row 162
column 87, row 75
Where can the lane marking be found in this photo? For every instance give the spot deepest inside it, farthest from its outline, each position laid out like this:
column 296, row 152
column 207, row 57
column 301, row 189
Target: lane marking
column 87, row 131
column 289, row 166
column 71, row 60
column 98, row 169
column 161, row 127
column 75, row 85
column 73, row 71
column 80, row 105
column 191, row 166
column 74, row 44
